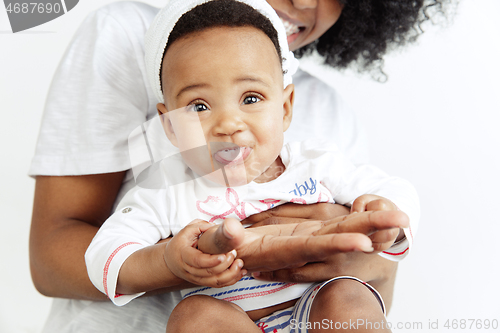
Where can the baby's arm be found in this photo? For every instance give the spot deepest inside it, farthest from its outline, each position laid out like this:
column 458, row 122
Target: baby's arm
column 176, row 262
column 124, row 258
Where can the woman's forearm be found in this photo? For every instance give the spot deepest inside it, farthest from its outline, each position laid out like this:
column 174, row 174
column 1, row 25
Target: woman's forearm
column 67, row 212
column 57, row 261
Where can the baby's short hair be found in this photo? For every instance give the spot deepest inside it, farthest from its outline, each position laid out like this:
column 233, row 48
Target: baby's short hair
column 223, row 13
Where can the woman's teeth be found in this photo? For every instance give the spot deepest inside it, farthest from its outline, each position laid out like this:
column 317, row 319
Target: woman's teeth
column 229, row 154
column 290, row 27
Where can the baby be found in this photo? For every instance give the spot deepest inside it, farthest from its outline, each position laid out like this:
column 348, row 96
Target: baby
column 222, row 73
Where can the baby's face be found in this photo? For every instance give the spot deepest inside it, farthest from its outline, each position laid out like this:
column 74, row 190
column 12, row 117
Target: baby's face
column 223, row 89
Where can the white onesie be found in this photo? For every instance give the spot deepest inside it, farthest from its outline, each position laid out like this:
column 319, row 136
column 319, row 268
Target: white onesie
column 315, row 172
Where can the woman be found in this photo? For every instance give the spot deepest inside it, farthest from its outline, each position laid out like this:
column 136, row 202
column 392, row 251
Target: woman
column 81, row 168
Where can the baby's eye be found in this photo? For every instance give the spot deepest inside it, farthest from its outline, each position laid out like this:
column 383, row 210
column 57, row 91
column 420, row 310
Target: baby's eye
column 251, row 100
column 198, row 107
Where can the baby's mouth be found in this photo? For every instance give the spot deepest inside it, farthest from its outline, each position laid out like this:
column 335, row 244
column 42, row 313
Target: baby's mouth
column 232, row 155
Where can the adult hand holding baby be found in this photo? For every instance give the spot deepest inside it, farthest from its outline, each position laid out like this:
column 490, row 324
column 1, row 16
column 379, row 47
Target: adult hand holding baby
column 378, row 225
column 283, row 242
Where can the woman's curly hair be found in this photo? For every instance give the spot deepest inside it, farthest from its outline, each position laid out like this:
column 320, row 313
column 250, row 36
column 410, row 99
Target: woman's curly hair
column 367, row 29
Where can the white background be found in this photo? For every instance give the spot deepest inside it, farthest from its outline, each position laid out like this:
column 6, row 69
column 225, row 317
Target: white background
column 435, row 122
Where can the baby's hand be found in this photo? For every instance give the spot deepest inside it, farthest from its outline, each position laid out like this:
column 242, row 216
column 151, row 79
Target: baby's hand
column 372, row 202
column 190, row 264
column 381, row 239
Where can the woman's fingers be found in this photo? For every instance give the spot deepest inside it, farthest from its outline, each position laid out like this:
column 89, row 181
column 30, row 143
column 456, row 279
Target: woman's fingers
column 382, row 240
column 303, row 274
column 293, row 213
column 366, row 222
column 277, row 252
column 369, row 268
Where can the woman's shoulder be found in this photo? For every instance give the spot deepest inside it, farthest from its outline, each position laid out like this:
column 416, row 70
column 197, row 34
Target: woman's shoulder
column 307, row 83
column 129, row 14
column 128, row 8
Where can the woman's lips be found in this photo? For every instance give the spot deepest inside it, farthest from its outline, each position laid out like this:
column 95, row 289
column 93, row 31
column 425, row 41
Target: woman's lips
column 290, row 39
column 292, row 30
column 232, row 156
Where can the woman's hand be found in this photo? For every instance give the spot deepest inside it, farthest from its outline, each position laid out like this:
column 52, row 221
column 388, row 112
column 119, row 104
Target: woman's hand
column 313, row 241
column 374, row 269
column 272, row 247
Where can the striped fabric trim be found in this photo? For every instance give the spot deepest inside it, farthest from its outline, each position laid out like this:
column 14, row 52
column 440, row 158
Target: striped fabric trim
column 108, row 263
column 259, row 294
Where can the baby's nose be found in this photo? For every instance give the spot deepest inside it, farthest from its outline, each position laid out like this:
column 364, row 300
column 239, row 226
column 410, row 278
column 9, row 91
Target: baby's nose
column 228, row 123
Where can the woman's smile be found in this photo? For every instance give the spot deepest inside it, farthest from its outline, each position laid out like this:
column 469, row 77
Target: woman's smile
column 292, row 30
column 306, row 21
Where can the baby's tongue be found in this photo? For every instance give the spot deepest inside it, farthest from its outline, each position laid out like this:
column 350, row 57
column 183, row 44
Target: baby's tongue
column 228, row 155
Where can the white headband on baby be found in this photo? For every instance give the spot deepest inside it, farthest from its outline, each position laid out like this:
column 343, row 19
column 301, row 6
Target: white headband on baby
column 159, row 31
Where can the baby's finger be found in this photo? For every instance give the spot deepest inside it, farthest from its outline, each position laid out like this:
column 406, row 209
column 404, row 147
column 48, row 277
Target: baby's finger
column 230, row 258
column 200, row 225
column 193, row 257
column 190, row 234
column 213, row 270
column 228, row 277
column 359, row 205
column 380, row 204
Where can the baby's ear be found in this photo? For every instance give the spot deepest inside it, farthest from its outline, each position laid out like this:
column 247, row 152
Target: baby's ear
column 167, row 123
column 288, row 98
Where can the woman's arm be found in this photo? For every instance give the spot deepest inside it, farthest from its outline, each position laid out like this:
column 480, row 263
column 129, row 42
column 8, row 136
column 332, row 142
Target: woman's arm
column 372, row 268
column 67, row 213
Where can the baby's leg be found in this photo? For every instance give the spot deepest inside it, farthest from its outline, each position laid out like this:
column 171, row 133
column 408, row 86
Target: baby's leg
column 207, row 314
column 343, row 304
column 347, row 306
column 222, row 238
